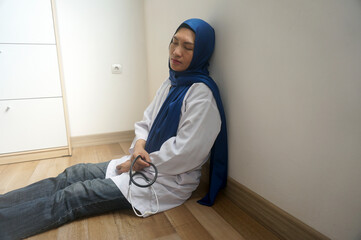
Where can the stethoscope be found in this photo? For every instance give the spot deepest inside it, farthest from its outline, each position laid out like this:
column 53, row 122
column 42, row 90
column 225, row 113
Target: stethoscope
column 149, row 184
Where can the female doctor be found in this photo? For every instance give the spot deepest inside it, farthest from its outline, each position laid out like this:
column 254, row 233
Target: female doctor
column 181, row 129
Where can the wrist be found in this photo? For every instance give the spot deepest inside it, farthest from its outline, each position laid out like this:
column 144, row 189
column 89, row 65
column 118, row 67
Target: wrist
column 140, row 144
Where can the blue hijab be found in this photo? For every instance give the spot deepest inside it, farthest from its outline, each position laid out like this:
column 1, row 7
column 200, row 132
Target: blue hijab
column 166, row 123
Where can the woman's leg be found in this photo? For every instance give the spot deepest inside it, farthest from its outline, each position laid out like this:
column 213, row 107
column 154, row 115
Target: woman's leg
column 49, row 186
column 77, row 200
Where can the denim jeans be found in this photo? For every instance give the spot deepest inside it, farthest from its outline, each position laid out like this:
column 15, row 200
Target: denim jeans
column 80, row 191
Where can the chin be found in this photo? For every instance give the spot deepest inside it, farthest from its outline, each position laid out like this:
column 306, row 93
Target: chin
column 177, row 69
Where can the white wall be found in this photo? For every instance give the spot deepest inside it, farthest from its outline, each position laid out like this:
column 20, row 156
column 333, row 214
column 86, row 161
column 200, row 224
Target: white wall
column 289, row 73
column 93, row 36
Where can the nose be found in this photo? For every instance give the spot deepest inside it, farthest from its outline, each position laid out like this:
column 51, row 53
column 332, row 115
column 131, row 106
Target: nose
column 177, row 51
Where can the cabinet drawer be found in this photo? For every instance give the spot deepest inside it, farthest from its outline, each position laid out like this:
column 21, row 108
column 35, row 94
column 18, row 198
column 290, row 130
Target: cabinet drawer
column 32, row 124
column 24, row 21
column 29, row 71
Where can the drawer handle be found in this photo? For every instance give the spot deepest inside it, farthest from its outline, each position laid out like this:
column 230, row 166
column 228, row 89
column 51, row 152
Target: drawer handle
column 7, row 109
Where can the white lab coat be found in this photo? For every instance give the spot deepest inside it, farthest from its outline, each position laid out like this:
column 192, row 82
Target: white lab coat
column 180, row 158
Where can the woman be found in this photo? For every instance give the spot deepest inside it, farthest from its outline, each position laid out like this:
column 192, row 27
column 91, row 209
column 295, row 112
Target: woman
column 181, row 128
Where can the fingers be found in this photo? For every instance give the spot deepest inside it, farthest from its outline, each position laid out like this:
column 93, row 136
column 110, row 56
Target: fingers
column 138, row 165
column 146, row 158
column 144, row 154
column 123, row 167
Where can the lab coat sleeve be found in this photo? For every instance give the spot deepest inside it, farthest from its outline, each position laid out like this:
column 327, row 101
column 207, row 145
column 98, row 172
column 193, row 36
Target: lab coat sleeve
column 198, row 128
column 143, row 127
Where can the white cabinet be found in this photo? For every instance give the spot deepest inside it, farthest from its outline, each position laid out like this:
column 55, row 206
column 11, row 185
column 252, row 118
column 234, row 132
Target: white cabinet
column 26, row 21
column 28, row 71
column 32, row 124
column 32, row 115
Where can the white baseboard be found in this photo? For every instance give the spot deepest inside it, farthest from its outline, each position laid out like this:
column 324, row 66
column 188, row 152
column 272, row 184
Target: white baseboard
column 105, row 138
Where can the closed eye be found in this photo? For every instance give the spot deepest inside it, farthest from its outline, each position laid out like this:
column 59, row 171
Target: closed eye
column 189, row 46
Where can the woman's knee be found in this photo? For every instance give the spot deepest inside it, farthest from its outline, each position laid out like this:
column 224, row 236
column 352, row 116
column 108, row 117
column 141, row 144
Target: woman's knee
column 85, row 171
column 73, row 173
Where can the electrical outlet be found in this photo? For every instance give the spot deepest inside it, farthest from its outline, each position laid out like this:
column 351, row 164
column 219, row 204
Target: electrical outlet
column 116, row 68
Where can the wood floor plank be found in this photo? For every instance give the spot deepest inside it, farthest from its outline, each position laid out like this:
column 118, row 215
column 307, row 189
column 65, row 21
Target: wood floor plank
column 2, row 167
column 17, row 175
column 52, row 234
column 240, row 221
column 133, row 227
column 190, row 221
column 186, row 225
column 96, row 154
column 4, row 178
column 103, row 227
column 125, row 146
column 217, row 227
column 84, row 155
column 48, row 168
column 170, row 237
column 114, row 147
column 75, row 230
column 200, row 192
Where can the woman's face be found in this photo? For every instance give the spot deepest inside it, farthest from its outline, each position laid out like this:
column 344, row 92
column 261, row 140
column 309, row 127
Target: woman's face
column 181, row 49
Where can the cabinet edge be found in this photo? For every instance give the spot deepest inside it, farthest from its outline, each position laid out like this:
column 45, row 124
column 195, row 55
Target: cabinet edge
column 34, row 155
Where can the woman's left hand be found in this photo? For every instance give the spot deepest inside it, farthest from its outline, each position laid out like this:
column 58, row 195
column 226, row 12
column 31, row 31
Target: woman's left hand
column 124, row 167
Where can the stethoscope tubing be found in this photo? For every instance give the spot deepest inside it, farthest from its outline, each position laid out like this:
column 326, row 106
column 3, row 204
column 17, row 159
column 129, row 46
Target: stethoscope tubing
column 131, row 174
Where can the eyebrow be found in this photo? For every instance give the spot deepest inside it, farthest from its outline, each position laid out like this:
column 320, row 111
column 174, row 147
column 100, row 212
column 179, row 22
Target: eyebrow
column 188, row 43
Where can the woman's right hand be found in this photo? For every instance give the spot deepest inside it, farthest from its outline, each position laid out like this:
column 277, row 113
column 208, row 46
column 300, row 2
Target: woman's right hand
column 139, row 149
column 139, row 164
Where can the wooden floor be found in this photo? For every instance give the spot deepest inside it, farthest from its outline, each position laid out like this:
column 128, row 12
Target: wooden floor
column 190, row 221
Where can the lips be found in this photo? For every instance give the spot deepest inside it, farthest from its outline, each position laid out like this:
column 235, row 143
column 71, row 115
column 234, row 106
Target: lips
column 175, row 62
